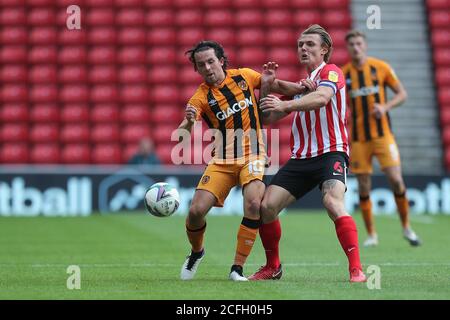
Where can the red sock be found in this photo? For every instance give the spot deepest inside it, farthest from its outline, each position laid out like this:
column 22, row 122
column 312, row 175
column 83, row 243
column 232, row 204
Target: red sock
column 270, row 236
column 348, row 237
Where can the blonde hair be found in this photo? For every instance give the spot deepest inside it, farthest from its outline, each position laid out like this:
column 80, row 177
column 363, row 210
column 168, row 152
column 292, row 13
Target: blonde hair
column 355, row 33
column 324, row 35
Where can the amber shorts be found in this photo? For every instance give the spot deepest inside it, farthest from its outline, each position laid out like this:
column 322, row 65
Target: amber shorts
column 384, row 149
column 220, row 178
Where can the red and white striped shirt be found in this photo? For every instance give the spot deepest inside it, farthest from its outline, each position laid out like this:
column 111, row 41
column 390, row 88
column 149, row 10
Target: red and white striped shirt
column 322, row 130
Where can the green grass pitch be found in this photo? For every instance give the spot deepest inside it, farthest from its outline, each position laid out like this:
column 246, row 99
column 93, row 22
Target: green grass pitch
column 137, row 256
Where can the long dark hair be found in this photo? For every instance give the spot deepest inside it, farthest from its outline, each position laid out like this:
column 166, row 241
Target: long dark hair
column 206, row 45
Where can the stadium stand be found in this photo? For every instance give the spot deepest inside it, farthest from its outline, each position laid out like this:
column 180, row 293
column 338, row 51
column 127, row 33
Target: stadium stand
column 124, row 74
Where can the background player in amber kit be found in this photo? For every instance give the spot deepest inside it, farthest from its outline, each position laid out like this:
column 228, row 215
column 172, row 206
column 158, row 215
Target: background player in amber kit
column 226, row 101
column 371, row 133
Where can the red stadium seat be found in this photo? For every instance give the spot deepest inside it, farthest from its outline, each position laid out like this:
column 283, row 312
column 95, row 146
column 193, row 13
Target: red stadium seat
column 439, row 19
column 256, row 55
column 446, row 136
column 165, row 94
column 133, row 74
column 136, row 113
column 99, row 3
column 73, row 113
column 218, row 18
column 438, row 4
column 43, row 74
column 102, row 55
column 14, row 132
column 13, row 16
column 14, row 54
column 102, row 35
column 284, row 56
column 42, row 17
column 304, row 4
column 339, row 56
column 336, row 4
column 107, row 154
column 105, row 132
column 14, row 153
column 251, row 37
column 443, row 95
column 442, row 56
column 68, row 37
column 185, row 94
column 218, row 4
column 73, row 74
column 134, row 93
column 276, row 4
column 75, row 133
column 13, row 35
column 45, row 93
column 163, row 74
column 442, row 76
column 440, row 38
column 44, row 133
column 132, row 36
column 45, row 113
column 129, row 3
column 13, row 73
column 73, row 55
column 188, row 3
column 338, row 37
column 337, row 19
column 74, row 94
column 162, row 55
column 132, row 55
column 39, row 3
column 224, row 36
column 189, row 18
column 14, row 93
column 445, row 116
column 46, row 153
column 247, row 4
column 100, row 17
column 279, row 18
column 160, row 18
column 105, row 113
column 133, row 133
column 104, row 93
column 190, row 36
column 14, row 112
column 103, row 74
column 164, row 153
column 447, row 158
column 130, row 17
column 281, row 36
column 249, row 18
column 154, row 4
column 43, row 36
column 162, row 133
column 167, row 114
column 189, row 76
column 76, row 154
column 304, row 18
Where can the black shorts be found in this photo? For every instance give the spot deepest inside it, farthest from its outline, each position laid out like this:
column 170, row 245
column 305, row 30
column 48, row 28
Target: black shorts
column 299, row 176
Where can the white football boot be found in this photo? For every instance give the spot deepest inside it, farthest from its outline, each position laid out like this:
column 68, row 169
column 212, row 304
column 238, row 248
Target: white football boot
column 371, row 241
column 412, row 237
column 190, row 266
column 236, row 274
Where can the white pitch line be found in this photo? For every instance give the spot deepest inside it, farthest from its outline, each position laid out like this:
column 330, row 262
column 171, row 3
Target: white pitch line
column 157, row 265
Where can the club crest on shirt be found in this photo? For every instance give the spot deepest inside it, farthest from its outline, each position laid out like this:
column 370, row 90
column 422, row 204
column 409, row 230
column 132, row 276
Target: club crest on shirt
column 333, row 76
column 243, row 85
column 205, row 179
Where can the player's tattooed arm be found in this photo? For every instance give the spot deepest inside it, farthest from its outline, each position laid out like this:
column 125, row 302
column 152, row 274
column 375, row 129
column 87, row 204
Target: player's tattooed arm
column 328, row 186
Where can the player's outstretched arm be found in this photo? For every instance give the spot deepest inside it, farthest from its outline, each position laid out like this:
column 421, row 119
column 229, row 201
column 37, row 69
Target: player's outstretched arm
column 311, row 101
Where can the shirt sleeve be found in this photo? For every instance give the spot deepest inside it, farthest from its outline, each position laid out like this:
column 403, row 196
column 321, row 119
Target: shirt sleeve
column 197, row 101
column 391, row 78
column 252, row 76
column 332, row 76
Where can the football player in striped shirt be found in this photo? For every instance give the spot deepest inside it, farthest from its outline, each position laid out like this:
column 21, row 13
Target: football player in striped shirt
column 319, row 146
column 371, row 133
column 227, row 103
